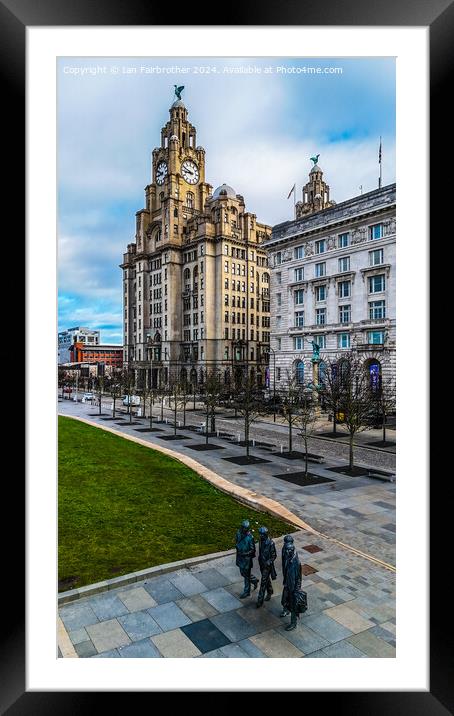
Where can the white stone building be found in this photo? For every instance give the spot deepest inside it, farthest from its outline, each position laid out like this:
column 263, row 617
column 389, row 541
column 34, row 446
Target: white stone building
column 78, row 334
column 333, row 281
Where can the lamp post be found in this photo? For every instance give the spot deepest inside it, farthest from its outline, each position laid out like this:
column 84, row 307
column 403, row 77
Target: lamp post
column 151, row 342
column 274, row 381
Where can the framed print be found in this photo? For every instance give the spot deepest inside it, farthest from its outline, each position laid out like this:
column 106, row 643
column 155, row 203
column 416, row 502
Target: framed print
column 103, row 87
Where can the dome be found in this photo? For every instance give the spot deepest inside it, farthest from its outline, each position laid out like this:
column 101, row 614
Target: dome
column 315, row 168
column 224, row 190
column 178, row 103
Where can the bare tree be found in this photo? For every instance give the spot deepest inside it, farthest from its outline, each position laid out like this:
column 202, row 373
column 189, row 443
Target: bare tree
column 291, row 396
column 210, row 397
column 128, row 382
column 99, row 387
column 115, row 387
column 384, row 398
column 306, row 419
column 347, row 376
column 330, row 388
column 248, row 401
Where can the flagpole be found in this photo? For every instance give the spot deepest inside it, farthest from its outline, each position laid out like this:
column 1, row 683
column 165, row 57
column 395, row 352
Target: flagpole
column 379, row 161
column 294, row 200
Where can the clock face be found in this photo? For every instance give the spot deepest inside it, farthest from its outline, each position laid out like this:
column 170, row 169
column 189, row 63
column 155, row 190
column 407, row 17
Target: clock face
column 161, row 173
column 190, row 171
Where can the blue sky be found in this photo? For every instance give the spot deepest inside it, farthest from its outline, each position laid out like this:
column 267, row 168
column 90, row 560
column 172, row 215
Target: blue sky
column 258, row 129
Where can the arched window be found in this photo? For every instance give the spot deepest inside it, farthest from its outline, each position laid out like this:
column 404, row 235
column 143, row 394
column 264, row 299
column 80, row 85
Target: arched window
column 374, row 369
column 190, row 200
column 299, row 372
column 161, row 197
column 187, row 274
column 194, row 377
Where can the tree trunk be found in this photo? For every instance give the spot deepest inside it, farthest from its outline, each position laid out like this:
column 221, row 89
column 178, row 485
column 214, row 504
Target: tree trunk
column 151, row 411
column 162, row 409
column 175, row 414
column 334, row 419
column 113, row 411
column 384, row 427
column 246, row 434
column 290, row 436
column 350, row 466
column 305, row 457
column 184, row 412
column 206, row 423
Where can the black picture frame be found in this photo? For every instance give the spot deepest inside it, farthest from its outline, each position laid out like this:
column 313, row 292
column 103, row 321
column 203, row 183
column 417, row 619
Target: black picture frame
column 15, row 17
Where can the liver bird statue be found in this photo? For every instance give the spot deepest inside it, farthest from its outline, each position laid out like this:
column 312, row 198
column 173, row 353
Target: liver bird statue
column 178, row 91
column 315, row 159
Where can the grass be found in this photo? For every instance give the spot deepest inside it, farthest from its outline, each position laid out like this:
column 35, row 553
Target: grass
column 123, row 507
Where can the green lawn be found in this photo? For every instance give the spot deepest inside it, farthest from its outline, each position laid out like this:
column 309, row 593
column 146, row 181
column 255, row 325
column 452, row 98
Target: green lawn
column 125, row 507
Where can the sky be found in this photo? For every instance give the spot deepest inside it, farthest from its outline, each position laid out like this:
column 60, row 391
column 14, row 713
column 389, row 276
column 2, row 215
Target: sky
column 259, row 120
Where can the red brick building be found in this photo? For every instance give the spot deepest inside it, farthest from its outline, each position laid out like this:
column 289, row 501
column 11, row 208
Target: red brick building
column 110, row 355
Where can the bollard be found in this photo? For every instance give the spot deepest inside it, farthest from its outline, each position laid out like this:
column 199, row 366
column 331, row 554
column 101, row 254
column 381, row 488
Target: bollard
column 253, row 443
column 282, row 448
column 239, row 437
column 179, row 424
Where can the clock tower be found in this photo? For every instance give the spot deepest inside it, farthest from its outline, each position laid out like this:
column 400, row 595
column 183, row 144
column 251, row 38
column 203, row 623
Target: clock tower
column 178, row 285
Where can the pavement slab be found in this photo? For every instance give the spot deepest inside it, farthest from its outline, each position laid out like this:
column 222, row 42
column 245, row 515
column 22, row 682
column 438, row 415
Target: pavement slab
column 137, row 599
column 108, row 635
column 222, row 600
column 205, row 635
column 169, row 616
column 139, row 625
column 196, row 608
column 175, row 644
column 274, row 645
column 234, row 626
column 143, row 649
column 372, row 645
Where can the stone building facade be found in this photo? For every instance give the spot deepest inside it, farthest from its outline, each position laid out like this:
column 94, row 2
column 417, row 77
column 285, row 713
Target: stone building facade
column 333, row 281
column 196, row 290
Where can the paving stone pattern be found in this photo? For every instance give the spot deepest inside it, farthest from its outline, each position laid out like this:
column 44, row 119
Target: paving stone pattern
column 196, row 612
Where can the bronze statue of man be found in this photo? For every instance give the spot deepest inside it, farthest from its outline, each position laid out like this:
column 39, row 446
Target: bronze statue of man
column 267, row 555
column 245, row 553
column 293, row 598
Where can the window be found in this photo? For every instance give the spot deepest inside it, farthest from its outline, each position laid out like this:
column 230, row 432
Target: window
column 344, row 314
column 298, row 297
column 375, row 337
column 279, row 277
column 300, row 372
column 279, row 343
column 299, row 252
column 320, row 293
column 278, row 373
column 226, row 299
column 320, row 246
column 299, row 274
column 278, row 321
column 376, row 257
column 344, row 289
column 320, row 270
column 376, row 231
column 299, row 318
column 344, row 264
column 377, row 310
column 278, row 258
column 226, row 250
column 299, row 343
column 226, row 266
column 343, row 240
column 320, row 340
column 377, row 283
column 279, row 299
column 343, row 340
column 320, row 316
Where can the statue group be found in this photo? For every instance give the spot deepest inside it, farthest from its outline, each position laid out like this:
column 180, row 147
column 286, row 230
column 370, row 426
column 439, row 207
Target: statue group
column 294, row 599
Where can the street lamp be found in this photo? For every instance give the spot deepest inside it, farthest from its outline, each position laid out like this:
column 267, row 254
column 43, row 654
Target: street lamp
column 151, row 342
column 274, row 381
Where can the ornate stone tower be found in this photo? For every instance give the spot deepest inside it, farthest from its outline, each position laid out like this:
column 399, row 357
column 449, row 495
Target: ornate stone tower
column 178, row 285
column 315, row 194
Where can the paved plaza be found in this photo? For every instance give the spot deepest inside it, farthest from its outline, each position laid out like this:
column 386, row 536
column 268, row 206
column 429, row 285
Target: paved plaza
column 195, row 612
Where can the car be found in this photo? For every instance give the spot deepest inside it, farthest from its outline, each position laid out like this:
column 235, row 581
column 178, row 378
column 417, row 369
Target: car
column 87, row 396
